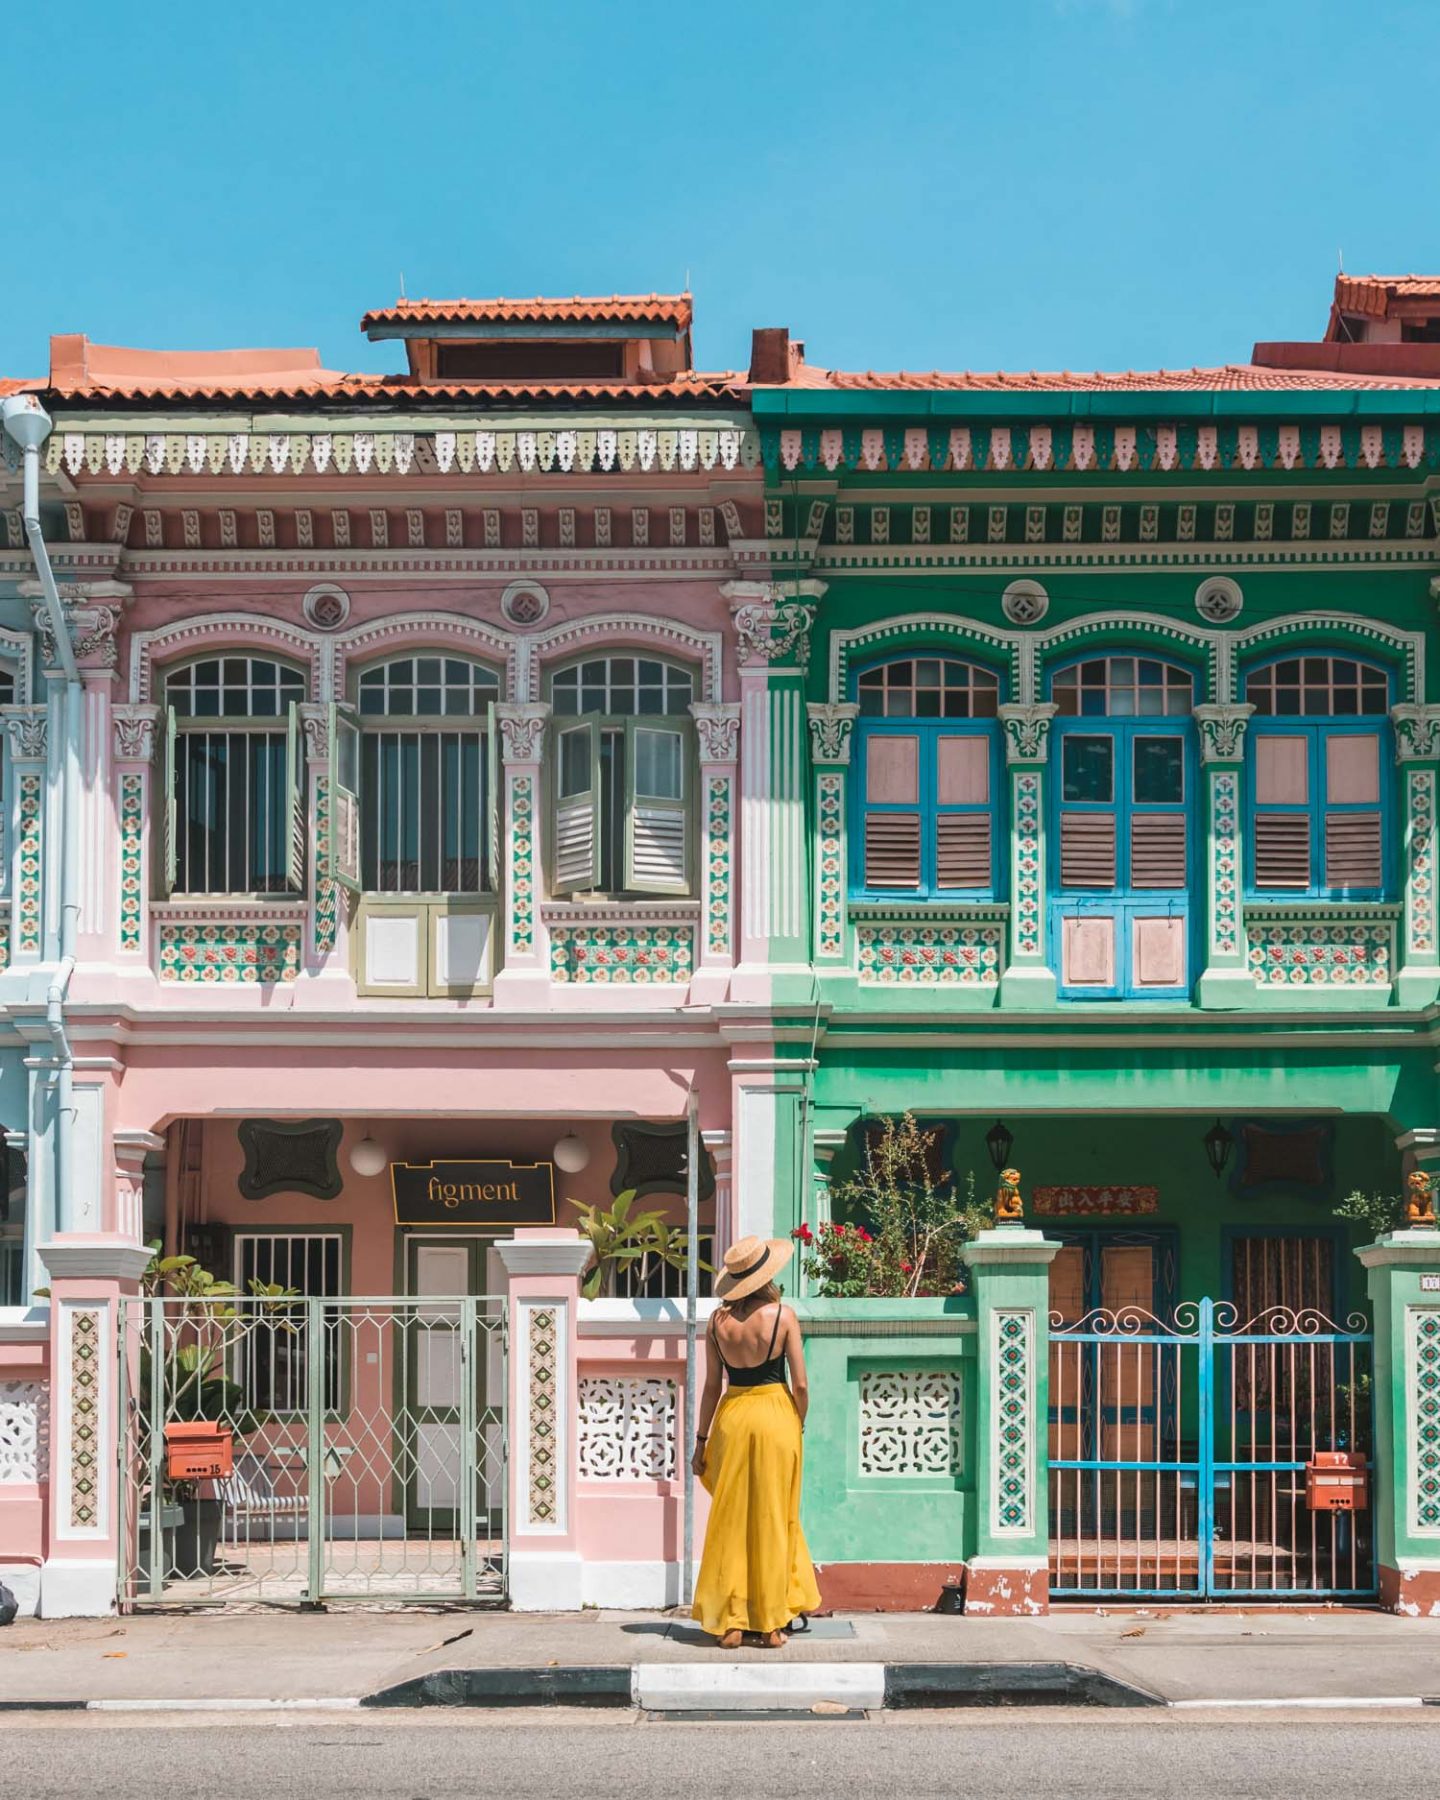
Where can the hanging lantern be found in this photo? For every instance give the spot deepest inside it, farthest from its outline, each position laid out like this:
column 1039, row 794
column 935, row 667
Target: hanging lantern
column 367, row 1157
column 1218, row 1145
column 998, row 1141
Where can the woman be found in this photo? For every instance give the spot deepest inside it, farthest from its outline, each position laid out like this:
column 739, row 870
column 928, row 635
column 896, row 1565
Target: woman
column 756, row 1574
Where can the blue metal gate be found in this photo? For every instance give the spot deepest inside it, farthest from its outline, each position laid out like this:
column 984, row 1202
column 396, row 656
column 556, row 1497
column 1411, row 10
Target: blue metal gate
column 1179, row 1451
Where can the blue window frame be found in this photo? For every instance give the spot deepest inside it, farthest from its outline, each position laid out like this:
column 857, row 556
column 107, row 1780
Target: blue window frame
column 1320, row 795
column 927, row 814
column 1122, row 802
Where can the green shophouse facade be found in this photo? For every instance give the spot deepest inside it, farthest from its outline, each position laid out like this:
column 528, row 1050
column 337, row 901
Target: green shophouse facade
column 1120, row 787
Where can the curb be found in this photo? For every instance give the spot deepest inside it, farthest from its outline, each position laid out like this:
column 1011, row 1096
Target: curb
column 752, row 1687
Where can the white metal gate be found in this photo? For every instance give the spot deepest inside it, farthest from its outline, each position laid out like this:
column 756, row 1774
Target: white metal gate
column 367, row 1448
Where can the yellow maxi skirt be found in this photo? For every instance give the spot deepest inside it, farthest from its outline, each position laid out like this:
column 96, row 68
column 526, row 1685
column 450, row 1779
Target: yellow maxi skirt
column 756, row 1573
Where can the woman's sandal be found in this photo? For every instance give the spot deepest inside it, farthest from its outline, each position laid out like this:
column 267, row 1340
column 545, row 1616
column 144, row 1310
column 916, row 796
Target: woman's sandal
column 732, row 1640
column 774, row 1640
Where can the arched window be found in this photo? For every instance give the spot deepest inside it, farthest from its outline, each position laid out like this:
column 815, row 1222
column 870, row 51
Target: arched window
column 927, row 780
column 1318, row 747
column 426, row 758
column 622, row 778
column 235, row 820
column 1121, row 810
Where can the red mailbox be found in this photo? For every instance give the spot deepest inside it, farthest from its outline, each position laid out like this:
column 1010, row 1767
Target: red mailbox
column 1337, row 1481
column 200, row 1451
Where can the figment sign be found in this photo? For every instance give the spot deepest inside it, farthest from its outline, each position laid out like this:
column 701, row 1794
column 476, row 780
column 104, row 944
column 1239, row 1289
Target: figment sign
column 473, row 1193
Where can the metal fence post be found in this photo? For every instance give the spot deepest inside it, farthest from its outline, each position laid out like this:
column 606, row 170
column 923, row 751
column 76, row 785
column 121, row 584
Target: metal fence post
column 470, row 1455
column 1205, row 1499
column 315, row 1445
column 155, row 1447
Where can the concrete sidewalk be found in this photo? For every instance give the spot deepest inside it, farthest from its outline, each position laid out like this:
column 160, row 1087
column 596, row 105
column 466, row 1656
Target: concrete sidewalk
column 1176, row 1656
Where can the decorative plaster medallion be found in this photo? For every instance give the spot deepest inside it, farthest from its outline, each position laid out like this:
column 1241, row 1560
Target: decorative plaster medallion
column 717, row 724
column 326, row 606
column 1218, row 600
column 1025, row 602
column 831, row 725
column 525, row 604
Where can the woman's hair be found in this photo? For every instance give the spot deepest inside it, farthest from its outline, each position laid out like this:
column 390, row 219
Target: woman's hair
column 761, row 1296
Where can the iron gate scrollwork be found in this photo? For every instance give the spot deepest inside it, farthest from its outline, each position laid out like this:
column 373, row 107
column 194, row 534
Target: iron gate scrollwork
column 366, row 1448
column 1179, row 1453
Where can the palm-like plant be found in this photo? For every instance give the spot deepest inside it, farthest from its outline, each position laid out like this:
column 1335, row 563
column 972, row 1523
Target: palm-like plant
column 619, row 1236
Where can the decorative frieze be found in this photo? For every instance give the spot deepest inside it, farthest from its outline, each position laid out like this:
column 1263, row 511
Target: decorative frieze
column 31, row 801
column 627, row 1427
column 1301, row 948
column 229, row 951
column 592, row 954
column 915, row 953
column 327, row 892
column 86, row 1450
column 1025, row 857
column 1225, row 853
column 523, row 861
column 542, row 1499
column 910, row 1424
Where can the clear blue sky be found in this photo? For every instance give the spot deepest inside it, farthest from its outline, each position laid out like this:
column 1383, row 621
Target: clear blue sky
column 1023, row 183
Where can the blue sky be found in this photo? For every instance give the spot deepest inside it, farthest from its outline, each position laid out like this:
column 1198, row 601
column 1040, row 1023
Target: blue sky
column 1020, row 184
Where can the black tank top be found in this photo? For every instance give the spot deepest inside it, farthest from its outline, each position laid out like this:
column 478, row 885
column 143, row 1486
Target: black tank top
column 769, row 1373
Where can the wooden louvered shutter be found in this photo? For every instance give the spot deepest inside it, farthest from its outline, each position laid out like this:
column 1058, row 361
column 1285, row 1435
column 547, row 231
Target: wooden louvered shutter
column 1354, row 855
column 655, row 831
column 1157, row 850
column 892, row 811
column 1087, row 849
column 1282, row 810
column 575, row 814
column 342, row 847
column 963, row 838
column 169, row 859
column 297, row 821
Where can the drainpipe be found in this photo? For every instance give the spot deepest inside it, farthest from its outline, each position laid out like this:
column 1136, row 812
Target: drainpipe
column 29, row 425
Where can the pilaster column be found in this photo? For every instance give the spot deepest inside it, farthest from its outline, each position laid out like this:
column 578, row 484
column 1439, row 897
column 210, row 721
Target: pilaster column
column 543, row 1267
column 717, row 726
column 721, row 1148
column 1009, row 1568
column 27, row 743
column 771, row 1161
column 327, row 951
column 526, row 940
column 127, row 1210
column 772, row 632
column 1028, row 980
column 1403, row 1279
column 134, row 732
column 1225, row 980
column 832, row 727
column 90, row 1279
column 1417, row 750
column 93, row 612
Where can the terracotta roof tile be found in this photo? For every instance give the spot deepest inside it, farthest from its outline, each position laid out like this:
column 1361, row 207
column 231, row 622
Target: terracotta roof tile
column 661, row 309
column 1372, row 294
column 683, row 389
column 1227, row 376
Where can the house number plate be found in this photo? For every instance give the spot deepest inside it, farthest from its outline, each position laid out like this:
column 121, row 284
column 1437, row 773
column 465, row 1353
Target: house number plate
column 1430, row 1284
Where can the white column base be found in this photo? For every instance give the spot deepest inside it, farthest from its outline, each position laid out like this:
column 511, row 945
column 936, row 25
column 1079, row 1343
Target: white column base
column 526, row 989
column 23, row 1581
column 78, row 1590
column 631, row 1586
column 1416, row 987
column 1222, row 988
column 546, row 1583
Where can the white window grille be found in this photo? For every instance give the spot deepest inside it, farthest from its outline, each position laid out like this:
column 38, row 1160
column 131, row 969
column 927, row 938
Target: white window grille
column 272, row 1355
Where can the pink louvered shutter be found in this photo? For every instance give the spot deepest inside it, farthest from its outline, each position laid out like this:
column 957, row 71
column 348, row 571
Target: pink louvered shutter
column 1354, row 856
column 892, row 835
column 1282, row 837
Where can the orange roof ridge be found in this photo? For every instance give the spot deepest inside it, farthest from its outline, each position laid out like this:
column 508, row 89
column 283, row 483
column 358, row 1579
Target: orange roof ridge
column 667, row 309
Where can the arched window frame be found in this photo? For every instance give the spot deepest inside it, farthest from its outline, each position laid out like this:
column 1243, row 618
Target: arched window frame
column 443, row 762
column 610, row 835
column 1285, row 860
column 1128, row 935
column 892, row 840
column 234, row 817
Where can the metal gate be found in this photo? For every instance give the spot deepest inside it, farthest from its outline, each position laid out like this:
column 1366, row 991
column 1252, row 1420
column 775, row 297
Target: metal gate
column 367, row 1450
column 1178, row 1454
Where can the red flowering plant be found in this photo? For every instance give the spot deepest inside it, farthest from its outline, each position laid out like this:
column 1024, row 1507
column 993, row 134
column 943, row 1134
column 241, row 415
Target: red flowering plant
column 900, row 1224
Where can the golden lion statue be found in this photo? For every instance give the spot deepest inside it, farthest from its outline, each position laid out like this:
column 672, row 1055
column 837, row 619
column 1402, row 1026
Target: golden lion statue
column 1419, row 1199
column 1009, row 1208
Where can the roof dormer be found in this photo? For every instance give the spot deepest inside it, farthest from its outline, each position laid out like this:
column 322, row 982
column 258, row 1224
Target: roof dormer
column 632, row 340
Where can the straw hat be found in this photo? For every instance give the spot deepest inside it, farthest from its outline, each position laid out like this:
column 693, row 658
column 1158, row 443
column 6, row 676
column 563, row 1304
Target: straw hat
column 749, row 1263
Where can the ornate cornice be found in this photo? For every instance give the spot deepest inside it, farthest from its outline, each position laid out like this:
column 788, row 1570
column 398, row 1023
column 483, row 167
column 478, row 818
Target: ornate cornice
column 1222, row 730
column 133, row 729
column 831, row 727
column 1027, row 732
column 717, row 724
column 522, row 730
column 1417, row 732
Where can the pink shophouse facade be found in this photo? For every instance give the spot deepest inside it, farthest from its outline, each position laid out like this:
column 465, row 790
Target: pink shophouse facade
column 383, row 684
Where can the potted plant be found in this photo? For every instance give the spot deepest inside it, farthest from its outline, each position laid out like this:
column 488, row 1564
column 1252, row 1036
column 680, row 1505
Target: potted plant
column 619, row 1237
column 900, row 1226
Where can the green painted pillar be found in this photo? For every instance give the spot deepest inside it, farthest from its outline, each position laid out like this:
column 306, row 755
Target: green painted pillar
column 1028, row 979
column 1009, row 1569
column 1403, row 1274
column 1417, row 749
column 1225, row 978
